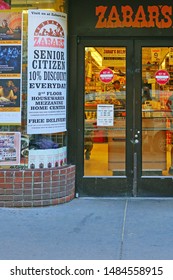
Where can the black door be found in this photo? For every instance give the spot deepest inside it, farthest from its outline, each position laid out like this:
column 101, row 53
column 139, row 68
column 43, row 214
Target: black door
column 122, row 122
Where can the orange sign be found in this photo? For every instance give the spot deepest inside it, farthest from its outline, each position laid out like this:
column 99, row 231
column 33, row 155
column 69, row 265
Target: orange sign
column 159, row 16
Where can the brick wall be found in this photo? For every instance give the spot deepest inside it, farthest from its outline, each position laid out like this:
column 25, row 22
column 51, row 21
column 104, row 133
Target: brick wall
column 38, row 187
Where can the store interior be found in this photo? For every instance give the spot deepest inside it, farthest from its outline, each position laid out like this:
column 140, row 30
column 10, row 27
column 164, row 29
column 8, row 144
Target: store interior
column 105, row 144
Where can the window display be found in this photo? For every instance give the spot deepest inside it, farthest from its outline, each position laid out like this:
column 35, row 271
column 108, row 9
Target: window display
column 14, row 57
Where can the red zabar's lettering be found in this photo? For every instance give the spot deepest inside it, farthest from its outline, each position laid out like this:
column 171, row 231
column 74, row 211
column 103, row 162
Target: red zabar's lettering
column 127, row 14
column 114, row 18
column 140, row 18
column 100, row 12
column 144, row 17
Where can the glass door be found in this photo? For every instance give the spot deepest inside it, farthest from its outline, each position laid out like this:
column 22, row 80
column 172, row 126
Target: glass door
column 124, row 118
column 105, row 111
column 105, row 98
column 156, row 77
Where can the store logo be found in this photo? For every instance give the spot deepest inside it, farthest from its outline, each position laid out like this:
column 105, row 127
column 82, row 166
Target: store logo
column 142, row 17
column 49, row 34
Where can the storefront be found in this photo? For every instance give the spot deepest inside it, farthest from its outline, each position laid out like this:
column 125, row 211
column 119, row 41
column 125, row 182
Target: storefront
column 120, row 104
column 85, row 100
column 33, row 91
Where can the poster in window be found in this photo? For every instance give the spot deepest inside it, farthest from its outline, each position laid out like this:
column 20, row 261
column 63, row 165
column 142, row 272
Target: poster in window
column 10, row 68
column 47, row 72
column 10, row 59
column 11, row 26
column 10, row 148
column 10, row 108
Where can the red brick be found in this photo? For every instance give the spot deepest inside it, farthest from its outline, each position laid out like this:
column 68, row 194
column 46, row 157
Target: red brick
column 55, row 190
column 37, row 174
column 67, row 198
column 18, row 180
column 2, row 191
column 9, row 174
column 46, row 185
column 2, row 174
column 36, row 191
column 55, row 201
column 9, row 204
column 2, row 180
column 37, row 203
column 63, row 171
column 28, row 179
column 37, row 179
column 37, row 197
column 27, row 204
column 9, row 186
column 37, row 185
column 54, row 184
column 56, row 172
column 27, row 197
column 28, row 174
column 18, row 186
column 27, row 192
column 9, row 191
column 46, row 202
column 46, row 179
column 17, row 192
column 45, row 196
column 46, row 190
column 18, row 204
column 47, row 173
column 27, row 186
column 2, row 185
column 2, row 197
column 9, row 180
column 18, row 197
column 61, row 200
column 19, row 174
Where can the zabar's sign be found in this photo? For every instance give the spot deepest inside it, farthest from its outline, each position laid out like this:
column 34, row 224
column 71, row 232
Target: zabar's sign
column 154, row 16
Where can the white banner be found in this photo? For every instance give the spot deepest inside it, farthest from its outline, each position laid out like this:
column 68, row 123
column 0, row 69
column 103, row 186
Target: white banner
column 47, row 72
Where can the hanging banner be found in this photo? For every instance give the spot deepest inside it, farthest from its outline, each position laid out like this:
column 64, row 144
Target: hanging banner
column 47, row 72
column 10, row 68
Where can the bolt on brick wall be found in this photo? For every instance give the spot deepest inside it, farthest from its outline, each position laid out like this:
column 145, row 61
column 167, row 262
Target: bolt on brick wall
column 38, row 187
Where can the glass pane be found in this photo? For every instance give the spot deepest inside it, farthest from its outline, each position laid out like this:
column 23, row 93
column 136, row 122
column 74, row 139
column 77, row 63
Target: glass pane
column 105, row 111
column 157, row 97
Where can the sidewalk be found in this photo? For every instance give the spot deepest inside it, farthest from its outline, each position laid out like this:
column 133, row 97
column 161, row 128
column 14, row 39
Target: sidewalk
column 89, row 228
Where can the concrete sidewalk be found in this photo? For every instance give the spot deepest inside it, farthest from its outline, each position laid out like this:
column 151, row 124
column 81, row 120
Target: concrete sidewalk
column 89, row 228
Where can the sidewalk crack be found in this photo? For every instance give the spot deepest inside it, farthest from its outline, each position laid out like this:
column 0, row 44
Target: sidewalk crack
column 123, row 230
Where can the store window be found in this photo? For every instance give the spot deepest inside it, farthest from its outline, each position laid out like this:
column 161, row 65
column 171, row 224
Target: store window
column 157, row 89
column 23, row 145
column 105, row 111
